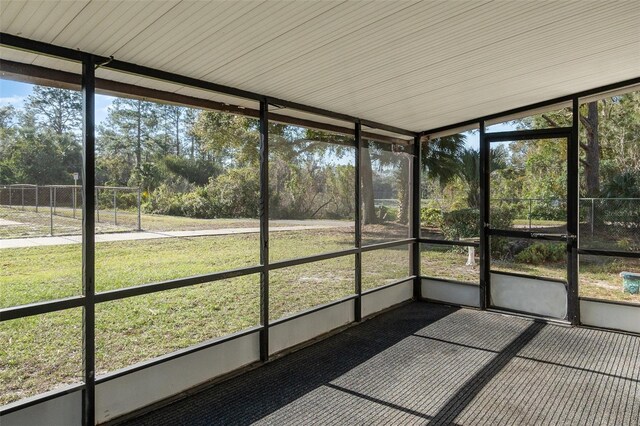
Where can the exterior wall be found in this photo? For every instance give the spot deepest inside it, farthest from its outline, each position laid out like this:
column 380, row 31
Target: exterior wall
column 298, row 330
column 610, row 315
column 450, row 292
column 379, row 300
column 531, row 295
column 62, row 410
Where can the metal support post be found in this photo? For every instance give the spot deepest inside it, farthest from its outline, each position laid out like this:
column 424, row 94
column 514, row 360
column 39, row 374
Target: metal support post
column 573, row 155
column 264, row 229
column 593, row 216
column 51, row 210
column 415, row 218
column 485, row 255
column 88, row 239
column 139, row 215
column 115, row 207
column 357, row 305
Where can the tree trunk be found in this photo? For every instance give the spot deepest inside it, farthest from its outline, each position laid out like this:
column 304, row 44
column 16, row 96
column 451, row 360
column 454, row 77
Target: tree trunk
column 369, row 213
column 139, row 136
column 592, row 151
column 178, row 133
column 403, row 191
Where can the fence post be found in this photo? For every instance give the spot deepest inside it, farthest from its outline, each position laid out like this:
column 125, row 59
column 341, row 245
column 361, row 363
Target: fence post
column 139, row 216
column 115, row 208
column 97, row 204
column 529, row 214
column 37, row 191
column 593, row 215
column 22, row 200
column 74, row 201
column 51, row 210
column 10, row 203
column 55, row 199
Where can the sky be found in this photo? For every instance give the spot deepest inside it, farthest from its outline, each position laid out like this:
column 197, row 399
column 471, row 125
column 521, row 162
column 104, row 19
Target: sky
column 15, row 93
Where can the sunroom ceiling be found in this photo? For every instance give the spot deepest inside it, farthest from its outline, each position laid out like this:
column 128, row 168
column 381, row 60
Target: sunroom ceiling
column 412, row 64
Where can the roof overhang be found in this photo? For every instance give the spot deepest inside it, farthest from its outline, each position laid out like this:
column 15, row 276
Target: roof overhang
column 413, row 65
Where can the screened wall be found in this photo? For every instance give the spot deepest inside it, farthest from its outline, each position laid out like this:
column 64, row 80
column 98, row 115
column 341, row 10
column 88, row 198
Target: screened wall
column 190, row 224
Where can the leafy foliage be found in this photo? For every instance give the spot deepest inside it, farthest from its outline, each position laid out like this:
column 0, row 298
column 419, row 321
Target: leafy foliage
column 538, row 253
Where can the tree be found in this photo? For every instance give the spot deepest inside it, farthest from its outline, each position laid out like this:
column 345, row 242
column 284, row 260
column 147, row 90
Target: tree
column 57, row 109
column 130, row 131
column 469, row 170
column 31, row 153
column 227, row 139
column 591, row 147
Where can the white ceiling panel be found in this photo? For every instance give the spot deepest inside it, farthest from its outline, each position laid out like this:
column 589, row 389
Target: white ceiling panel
column 408, row 63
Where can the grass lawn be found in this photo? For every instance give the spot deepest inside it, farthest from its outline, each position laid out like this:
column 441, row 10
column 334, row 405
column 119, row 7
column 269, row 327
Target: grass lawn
column 32, row 224
column 599, row 276
column 43, row 352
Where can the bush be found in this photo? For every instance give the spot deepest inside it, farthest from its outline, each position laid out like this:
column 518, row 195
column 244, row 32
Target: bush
column 164, row 200
column 387, row 214
column 538, row 253
column 458, row 224
column 465, row 223
column 430, row 216
column 235, row 193
column 196, row 204
column 127, row 200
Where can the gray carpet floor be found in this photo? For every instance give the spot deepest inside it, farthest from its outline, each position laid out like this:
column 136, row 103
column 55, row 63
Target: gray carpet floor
column 431, row 364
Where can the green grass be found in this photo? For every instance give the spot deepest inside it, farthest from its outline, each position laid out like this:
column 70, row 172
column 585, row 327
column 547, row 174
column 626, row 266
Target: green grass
column 42, row 352
column 599, row 276
column 34, row 224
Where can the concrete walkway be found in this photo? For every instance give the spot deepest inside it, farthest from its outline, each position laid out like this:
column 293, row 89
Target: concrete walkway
column 152, row 235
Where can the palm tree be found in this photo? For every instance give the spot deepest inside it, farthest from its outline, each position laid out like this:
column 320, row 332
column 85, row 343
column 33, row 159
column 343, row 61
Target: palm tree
column 469, row 170
column 440, row 157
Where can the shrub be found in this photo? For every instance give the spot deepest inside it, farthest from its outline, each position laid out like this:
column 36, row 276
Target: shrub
column 430, row 216
column 387, row 214
column 164, row 200
column 196, row 204
column 235, row 193
column 538, row 253
column 127, row 200
column 464, row 223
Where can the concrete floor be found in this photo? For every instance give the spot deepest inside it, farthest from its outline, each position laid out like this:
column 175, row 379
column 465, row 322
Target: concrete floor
column 426, row 363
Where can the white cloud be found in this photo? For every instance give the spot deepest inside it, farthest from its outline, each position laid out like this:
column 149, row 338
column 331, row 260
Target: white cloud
column 12, row 100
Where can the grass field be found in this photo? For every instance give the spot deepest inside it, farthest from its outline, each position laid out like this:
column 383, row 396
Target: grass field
column 42, row 352
column 32, row 224
column 599, row 276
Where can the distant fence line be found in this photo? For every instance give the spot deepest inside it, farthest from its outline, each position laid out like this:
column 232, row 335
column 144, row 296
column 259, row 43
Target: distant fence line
column 66, row 201
column 623, row 212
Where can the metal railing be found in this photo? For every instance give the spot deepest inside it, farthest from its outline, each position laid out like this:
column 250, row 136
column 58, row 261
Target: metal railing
column 37, row 206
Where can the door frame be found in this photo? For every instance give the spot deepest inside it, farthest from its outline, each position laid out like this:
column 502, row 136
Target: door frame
column 571, row 235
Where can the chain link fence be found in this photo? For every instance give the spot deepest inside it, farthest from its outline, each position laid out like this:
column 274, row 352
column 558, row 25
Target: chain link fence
column 610, row 223
column 45, row 210
column 605, row 223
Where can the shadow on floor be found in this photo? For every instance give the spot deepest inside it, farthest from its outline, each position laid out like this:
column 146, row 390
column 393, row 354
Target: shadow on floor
column 258, row 393
column 429, row 363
